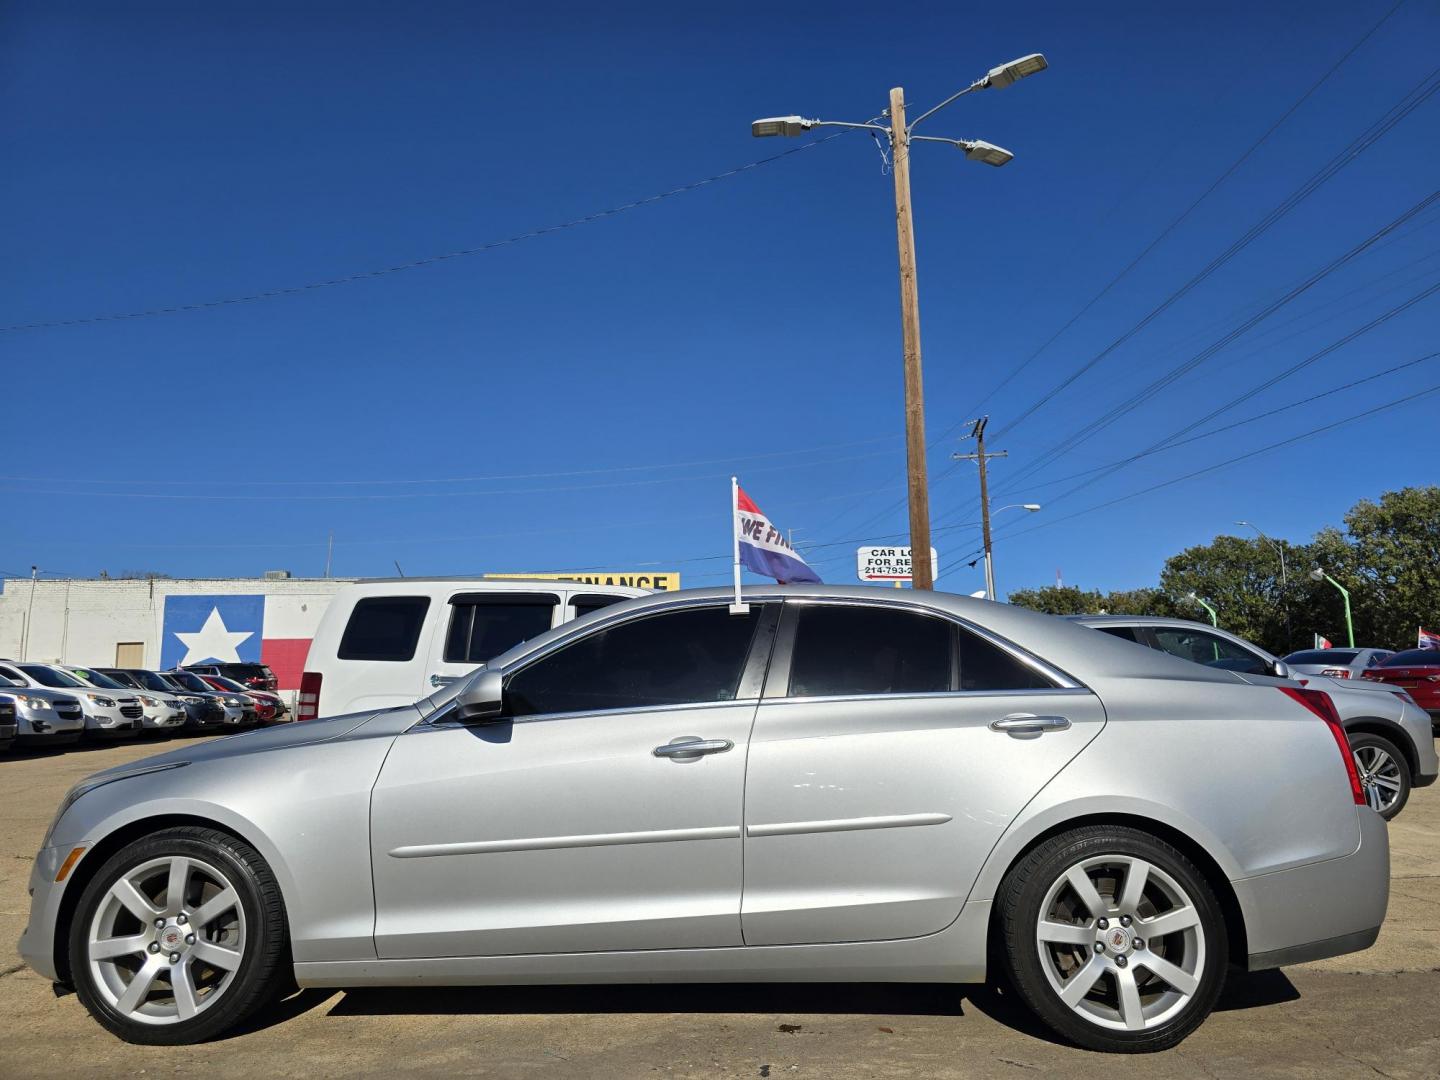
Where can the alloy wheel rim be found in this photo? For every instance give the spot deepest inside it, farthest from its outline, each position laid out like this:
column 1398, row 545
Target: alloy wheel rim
column 166, row 940
column 1379, row 777
column 1121, row 943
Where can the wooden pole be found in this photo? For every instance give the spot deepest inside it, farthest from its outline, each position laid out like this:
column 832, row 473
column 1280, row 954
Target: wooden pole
column 923, row 574
column 985, row 512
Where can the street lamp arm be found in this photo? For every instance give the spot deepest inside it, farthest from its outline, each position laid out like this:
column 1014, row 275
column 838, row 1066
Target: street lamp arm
column 978, row 84
column 843, row 124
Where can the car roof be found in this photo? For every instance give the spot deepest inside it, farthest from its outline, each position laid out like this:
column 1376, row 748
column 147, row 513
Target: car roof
column 1066, row 645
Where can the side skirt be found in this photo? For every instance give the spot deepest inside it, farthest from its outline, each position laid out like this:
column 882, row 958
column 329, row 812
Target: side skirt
column 955, row 954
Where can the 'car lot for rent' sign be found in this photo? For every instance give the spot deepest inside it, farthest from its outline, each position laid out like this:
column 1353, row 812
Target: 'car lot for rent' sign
column 887, row 563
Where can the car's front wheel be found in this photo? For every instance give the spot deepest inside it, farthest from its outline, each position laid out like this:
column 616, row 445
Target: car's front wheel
column 179, row 937
column 1114, row 938
column 1384, row 774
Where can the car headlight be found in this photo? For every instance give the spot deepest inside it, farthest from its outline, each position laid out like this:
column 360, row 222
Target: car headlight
column 91, row 783
column 103, row 702
column 191, row 700
column 149, row 702
column 235, row 701
column 32, row 702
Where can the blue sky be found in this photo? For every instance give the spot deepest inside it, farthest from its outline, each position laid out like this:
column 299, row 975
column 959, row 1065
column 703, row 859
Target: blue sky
column 544, row 405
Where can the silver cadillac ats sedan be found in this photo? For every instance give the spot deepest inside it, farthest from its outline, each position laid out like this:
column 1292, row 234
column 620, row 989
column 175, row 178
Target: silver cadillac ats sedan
column 832, row 784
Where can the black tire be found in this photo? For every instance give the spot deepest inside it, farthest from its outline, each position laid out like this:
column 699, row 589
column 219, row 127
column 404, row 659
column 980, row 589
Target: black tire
column 1022, row 895
column 264, row 968
column 1376, row 746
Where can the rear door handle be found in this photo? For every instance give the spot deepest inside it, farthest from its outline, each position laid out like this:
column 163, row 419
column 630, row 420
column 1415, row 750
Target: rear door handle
column 1029, row 724
column 692, row 748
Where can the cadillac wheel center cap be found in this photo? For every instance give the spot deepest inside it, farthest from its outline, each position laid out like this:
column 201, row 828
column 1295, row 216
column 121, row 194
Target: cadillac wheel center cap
column 1117, row 939
column 172, row 938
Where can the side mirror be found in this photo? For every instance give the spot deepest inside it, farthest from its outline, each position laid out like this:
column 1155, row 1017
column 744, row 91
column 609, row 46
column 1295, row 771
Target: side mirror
column 1280, row 669
column 482, row 701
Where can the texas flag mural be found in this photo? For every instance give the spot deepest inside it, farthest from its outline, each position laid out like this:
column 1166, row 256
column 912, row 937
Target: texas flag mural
column 763, row 548
column 237, row 628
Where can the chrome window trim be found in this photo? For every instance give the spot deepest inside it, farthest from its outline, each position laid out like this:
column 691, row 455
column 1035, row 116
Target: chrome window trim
column 941, row 695
column 440, row 719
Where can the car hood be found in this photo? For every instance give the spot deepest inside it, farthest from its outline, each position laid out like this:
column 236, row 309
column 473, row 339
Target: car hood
column 38, row 692
column 253, row 742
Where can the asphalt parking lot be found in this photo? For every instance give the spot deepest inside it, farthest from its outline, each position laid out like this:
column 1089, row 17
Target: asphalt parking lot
column 1373, row 1013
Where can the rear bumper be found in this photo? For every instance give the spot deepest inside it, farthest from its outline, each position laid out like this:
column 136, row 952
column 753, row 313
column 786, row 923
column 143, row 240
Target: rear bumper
column 1321, row 909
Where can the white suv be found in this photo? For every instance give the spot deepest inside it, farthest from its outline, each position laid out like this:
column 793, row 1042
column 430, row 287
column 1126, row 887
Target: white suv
column 158, row 712
column 108, row 714
column 393, row 641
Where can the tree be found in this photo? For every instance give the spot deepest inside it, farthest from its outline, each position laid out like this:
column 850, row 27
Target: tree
column 1059, row 600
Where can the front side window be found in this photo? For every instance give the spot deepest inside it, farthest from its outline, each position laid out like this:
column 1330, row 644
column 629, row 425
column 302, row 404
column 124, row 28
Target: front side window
column 848, row 650
column 1208, row 649
column 385, row 628
column 675, row 658
column 483, row 627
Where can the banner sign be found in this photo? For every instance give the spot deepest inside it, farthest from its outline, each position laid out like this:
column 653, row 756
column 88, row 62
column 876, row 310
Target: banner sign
column 659, row 580
column 763, row 548
column 1429, row 639
column 887, row 563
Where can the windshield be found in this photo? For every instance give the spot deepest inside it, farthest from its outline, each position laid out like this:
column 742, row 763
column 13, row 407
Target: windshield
column 96, row 678
column 189, row 681
column 1413, row 658
column 151, row 681
column 48, row 676
column 1322, row 656
column 228, row 684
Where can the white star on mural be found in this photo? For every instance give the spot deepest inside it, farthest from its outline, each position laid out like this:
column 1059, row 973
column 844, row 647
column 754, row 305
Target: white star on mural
column 212, row 641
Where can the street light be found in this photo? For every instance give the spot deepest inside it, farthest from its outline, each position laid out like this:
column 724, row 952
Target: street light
column 1284, row 579
column 989, row 556
column 900, row 135
column 1318, row 574
column 1214, row 618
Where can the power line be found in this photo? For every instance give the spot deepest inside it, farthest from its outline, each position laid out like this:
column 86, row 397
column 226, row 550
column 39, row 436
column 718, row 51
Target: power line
column 1417, row 96
column 415, row 264
column 1185, row 214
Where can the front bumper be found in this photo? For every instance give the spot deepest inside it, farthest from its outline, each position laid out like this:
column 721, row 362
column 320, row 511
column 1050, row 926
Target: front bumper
column 37, row 942
column 1320, row 909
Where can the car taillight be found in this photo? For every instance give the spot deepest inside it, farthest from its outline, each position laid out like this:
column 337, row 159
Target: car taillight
column 1319, row 703
column 307, row 707
column 1337, row 672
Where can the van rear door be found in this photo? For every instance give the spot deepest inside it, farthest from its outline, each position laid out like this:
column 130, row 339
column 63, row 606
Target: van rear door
column 474, row 626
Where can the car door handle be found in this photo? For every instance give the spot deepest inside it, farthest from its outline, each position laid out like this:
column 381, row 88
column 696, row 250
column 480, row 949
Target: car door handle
column 442, row 680
column 1029, row 724
column 692, row 748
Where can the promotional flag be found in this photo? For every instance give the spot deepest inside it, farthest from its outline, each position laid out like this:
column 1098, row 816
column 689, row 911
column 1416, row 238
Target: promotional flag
column 1322, row 642
column 763, row 548
column 1429, row 639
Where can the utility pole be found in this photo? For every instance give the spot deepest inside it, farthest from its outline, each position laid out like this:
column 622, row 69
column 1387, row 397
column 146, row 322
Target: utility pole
column 329, row 552
column 922, row 573
column 29, row 616
column 977, row 432
column 900, row 135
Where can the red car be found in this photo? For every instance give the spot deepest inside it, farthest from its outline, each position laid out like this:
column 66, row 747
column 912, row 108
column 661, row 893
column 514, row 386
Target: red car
column 1418, row 672
column 268, row 707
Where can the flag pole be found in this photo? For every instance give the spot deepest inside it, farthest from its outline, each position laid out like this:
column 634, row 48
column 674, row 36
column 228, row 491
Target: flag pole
column 739, row 607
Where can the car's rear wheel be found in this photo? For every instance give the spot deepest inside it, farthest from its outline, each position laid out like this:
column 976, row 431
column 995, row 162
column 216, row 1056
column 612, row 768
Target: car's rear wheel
column 1384, row 775
column 1114, row 938
column 179, row 937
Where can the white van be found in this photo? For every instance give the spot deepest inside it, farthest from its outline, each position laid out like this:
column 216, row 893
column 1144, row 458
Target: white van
column 393, row 641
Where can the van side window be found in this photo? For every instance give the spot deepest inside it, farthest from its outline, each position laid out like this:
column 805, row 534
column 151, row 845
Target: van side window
column 482, row 627
column 384, row 628
column 584, row 605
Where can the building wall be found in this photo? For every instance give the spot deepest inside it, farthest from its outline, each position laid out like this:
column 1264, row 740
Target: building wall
column 81, row 621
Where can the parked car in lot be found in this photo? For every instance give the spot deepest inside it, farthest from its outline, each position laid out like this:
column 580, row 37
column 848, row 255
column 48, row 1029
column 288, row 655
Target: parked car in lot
column 240, row 711
column 43, row 717
column 392, row 641
column 202, row 711
column 9, row 725
column 1417, row 672
column 108, row 715
column 841, row 783
column 158, row 712
column 1388, row 732
column 269, row 707
column 250, row 676
column 1336, row 663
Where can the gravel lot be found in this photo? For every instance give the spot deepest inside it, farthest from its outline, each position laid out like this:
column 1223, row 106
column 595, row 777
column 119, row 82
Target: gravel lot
column 1373, row 1013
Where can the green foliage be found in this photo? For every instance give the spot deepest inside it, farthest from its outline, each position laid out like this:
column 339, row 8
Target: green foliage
column 1387, row 555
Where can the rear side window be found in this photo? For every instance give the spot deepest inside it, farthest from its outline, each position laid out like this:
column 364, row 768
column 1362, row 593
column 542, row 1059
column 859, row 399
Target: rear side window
column 844, row 650
column 384, row 628
column 584, row 605
column 986, row 666
column 1124, row 633
column 481, row 628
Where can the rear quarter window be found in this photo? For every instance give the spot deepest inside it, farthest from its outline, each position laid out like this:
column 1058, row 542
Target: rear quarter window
column 384, row 628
